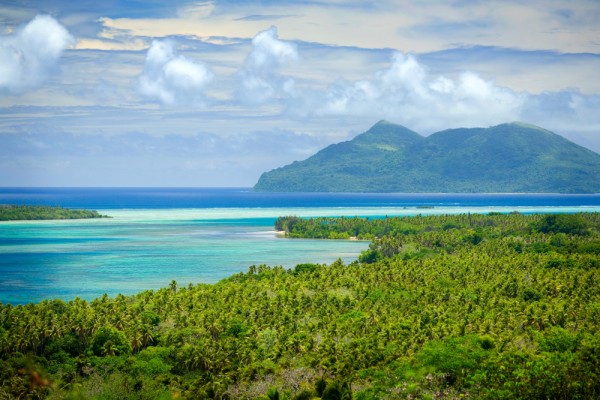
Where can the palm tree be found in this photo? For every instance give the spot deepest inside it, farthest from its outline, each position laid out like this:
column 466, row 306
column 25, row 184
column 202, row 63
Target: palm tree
column 109, row 348
column 136, row 341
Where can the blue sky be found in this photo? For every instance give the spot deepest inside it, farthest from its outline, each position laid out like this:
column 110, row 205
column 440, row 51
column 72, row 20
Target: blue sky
column 213, row 93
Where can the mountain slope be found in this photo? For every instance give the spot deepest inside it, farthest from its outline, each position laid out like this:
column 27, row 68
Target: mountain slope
column 513, row 157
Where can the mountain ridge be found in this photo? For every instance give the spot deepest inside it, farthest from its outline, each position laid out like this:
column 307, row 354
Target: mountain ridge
column 513, row 157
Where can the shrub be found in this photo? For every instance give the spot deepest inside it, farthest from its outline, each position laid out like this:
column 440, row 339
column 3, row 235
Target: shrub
column 572, row 224
column 110, row 341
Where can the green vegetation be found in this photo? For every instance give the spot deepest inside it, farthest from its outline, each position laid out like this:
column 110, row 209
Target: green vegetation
column 19, row 213
column 498, row 306
column 390, row 158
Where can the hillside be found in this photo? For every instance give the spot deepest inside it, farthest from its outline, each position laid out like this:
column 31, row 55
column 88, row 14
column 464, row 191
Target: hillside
column 512, row 157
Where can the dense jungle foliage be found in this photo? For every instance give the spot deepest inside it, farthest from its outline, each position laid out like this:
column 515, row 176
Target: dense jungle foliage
column 499, row 306
column 24, row 212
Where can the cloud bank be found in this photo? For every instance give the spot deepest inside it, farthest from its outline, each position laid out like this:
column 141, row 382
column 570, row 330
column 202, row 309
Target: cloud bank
column 407, row 93
column 31, row 53
column 48, row 155
column 259, row 78
column 170, row 78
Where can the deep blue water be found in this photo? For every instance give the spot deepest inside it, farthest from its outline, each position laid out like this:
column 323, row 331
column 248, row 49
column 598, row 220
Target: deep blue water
column 197, row 235
column 114, row 198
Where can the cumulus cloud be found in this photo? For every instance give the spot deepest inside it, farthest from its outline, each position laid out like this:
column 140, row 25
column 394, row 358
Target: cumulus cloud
column 259, row 79
column 170, row 78
column 405, row 92
column 30, row 53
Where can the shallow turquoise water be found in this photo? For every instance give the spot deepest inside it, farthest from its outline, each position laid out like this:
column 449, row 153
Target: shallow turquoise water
column 145, row 249
column 139, row 249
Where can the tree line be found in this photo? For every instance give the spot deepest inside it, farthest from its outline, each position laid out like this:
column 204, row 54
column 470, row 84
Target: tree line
column 28, row 212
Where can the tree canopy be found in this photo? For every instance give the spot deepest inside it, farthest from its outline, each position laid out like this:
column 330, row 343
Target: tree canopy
column 475, row 306
column 26, row 212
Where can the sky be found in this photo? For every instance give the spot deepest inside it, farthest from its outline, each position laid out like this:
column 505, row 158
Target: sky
column 213, row 93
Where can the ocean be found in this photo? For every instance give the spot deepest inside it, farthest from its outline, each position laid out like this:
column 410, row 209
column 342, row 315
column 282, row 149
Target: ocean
column 198, row 235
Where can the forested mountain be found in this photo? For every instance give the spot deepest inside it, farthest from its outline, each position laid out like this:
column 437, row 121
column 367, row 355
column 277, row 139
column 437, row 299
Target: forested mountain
column 513, row 157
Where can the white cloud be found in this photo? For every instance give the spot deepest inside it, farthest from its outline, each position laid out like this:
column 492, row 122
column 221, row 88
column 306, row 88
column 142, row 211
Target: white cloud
column 171, row 78
column 28, row 55
column 260, row 80
column 406, row 93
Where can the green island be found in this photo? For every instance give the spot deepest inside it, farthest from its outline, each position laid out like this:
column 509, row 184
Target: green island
column 27, row 212
column 507, row 158
column 494, row 306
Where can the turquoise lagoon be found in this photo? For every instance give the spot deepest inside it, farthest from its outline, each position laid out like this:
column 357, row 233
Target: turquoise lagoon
column 149, row 246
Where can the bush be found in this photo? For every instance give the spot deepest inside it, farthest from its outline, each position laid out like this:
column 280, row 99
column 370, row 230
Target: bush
column 110, row 341
column 456, row 357
column 305, row 268
column 558, row 339
column 370, row 256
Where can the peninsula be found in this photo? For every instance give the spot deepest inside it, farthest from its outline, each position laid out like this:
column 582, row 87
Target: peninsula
column 25, row 212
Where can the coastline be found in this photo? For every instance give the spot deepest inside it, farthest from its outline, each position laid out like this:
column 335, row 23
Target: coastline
column 203, row 236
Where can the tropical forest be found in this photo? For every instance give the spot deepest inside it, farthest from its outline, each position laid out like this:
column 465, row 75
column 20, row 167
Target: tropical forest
column 474, row 306
column 26, row 212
